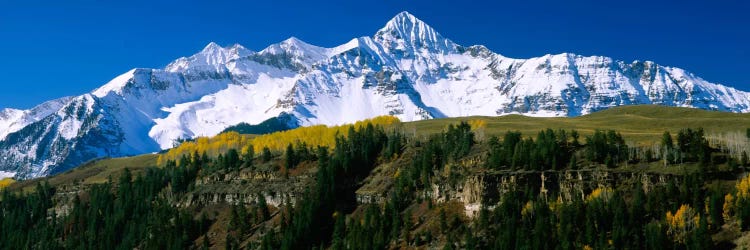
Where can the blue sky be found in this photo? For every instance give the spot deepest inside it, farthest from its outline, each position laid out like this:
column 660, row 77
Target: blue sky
column 50, row 49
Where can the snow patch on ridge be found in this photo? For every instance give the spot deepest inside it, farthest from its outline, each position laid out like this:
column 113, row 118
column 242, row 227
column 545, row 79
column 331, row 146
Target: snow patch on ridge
column 4, row 174
column 116, row 85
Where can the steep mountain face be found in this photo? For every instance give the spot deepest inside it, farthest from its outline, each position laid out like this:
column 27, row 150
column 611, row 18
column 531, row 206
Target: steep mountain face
column 12, row 120
column 405, row 69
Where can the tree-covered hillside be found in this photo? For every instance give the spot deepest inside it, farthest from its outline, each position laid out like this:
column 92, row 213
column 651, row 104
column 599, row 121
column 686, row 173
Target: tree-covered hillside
column 380, row 186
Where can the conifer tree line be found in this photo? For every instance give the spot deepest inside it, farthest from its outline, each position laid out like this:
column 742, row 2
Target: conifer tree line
column 138, row 211
column 555, row 150
column 125, row 214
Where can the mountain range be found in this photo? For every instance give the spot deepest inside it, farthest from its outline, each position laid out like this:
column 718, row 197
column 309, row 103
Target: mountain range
column 406, row 69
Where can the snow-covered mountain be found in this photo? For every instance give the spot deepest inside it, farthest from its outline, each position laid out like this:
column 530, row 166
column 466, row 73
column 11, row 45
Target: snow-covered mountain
column 406, row 69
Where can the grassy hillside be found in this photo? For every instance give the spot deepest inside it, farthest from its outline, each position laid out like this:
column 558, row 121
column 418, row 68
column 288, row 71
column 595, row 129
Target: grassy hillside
column 97, row 171
column 641, row 123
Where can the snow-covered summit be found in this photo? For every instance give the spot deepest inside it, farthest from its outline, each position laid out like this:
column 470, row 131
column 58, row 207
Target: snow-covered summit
column 298, row 50
column 407, row 33
column 211, row 55
column 115, row 85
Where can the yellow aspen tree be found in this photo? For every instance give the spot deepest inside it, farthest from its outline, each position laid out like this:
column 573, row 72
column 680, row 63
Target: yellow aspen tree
column 682, row 222
column 728, row 207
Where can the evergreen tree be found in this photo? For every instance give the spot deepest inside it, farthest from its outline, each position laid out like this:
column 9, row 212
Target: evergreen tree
column 266, row 155
column 715, row 208
column 291, row 157
column 231, row 243
column 469, row 240
column 700, row 238
column 574, row 134
column 573, row 164
column 339, row 232
column 649, row 155
column 232, row 160
column 656, row 238
column 443, row 220
column 205, row 245
column 263, row 206
column 667, row 147
column 248, row 156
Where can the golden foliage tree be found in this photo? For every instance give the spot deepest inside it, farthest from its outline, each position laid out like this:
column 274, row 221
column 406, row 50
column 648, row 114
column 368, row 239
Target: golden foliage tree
column 603, row 194
column 319, row 135
column 5, row 182
column 478, row 126
column 741, row 206
column 682, row 222
column 204, row 145
column 743, row 188
column 528, row 209
column 728, row 207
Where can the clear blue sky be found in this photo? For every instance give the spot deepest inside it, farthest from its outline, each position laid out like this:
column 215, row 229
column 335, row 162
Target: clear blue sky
column 50, row 49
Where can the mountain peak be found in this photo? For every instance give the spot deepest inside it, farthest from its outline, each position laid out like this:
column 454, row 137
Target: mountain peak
column 403, row 17
column 237, row 50
column 214, row 51
column 211, row 47
column 115, row 85
column 291, row 45
column 404, row 22
column 406, row 32
column 298, row 50
column 211, row 55
column 294, row 40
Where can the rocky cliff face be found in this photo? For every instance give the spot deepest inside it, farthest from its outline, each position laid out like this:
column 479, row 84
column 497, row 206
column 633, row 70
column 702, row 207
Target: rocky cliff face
column 246, row 187
column 406, row 69
column 477, row 188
